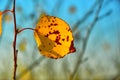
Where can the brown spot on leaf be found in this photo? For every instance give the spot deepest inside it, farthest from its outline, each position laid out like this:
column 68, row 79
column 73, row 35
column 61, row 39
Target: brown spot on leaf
column 54, row 32
column 67, row 38
column 55, row 24
column 48, row 25
column 63, row 39
column 51, row 24
column 53, row 21
column 69, row 29
column 46, row 35
column 72, row 48
column 57, row 40
column 49, row 32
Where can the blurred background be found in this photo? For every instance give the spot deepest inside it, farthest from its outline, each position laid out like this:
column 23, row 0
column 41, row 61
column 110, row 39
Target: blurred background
column 96, row 28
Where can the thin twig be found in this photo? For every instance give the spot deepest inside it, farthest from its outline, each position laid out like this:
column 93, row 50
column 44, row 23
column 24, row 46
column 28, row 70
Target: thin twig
column 86, row 16
column 14, row 42
column 8, row 4
column 20, row 30
column 57, row 6
column 7, row 11
column 86, row 41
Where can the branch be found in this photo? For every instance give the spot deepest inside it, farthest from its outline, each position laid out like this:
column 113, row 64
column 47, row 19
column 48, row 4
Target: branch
column 91, row 26
column 57, row 6
column 7, row 11
column 76, row 32
column 14, row 42
column 86, row 16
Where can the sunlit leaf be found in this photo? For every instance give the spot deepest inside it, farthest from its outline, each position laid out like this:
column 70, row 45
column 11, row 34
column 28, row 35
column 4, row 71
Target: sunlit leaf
column 0, row 23
column 53, row 37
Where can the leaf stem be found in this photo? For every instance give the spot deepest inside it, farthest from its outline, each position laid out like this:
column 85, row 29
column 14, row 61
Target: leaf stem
column 7, row 11
column 25, row 29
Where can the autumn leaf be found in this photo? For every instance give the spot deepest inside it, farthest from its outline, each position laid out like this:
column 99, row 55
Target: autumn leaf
column 0, row 23
column 54, row 37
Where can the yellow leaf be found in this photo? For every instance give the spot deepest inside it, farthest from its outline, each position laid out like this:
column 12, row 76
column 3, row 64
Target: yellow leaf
column 0, row 23
column 53, row 37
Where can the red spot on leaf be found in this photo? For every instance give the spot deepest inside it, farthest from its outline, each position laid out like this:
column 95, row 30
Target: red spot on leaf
column 63, row 39
column 48, row 25
column 46, row 35
column 52, row 20
column 67, row 38
column 72, row 48
column 57, row 40
column 54, row 32
column 55, row 24
column 69, row 29
column 51, row 24
column 50, row 32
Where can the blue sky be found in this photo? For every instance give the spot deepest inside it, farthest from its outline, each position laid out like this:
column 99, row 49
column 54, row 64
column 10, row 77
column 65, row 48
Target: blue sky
column 103, row 44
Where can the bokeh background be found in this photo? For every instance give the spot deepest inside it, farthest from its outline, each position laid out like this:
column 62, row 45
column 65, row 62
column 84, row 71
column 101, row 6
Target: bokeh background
column 96, row 29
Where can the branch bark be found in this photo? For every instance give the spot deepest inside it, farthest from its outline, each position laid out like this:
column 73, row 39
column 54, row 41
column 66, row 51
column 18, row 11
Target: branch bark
column 89, row 30
column 14, row 41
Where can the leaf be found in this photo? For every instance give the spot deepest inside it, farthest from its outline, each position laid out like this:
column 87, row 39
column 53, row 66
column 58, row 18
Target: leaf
column 53, row 37
column 0, row 23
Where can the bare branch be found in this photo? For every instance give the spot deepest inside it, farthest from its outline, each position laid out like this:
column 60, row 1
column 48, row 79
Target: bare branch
column 57, row 6
column 90, row 27
column 86, row 16
column 14, row 42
